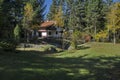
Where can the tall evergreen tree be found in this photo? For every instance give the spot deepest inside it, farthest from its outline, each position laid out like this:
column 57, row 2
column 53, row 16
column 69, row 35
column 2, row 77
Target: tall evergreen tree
column 11, row 14
column 7, row 18
column 53, row 10
column 39, row 10
column 56, row 12
column 1, row 16
column 95, row 16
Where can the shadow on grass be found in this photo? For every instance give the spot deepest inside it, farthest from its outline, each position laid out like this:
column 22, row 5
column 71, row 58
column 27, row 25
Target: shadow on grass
column 32, row 65
column 83, row 47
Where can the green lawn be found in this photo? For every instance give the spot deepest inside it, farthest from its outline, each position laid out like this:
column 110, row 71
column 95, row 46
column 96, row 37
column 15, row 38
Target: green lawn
column 96, row 61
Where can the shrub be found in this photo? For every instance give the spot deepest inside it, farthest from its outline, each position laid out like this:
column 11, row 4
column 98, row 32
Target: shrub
column 7, row 46
column 76, row 37
column 45, row 49
column 17, row 31
column 102, row 35
column 50, row 49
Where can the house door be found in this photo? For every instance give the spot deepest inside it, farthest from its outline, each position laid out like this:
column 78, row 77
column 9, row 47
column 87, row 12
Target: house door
column 40, row 34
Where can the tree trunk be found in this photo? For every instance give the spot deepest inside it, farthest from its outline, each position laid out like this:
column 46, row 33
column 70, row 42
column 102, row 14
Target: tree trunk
column 114, row 35
column 95, row 31
column 108, row 35
column 27, row 37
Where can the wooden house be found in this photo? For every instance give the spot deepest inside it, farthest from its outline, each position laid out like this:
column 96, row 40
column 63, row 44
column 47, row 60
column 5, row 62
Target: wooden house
column 48, row 30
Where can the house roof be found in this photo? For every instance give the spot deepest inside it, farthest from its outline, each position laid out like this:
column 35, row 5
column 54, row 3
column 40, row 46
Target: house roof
column 47, row 24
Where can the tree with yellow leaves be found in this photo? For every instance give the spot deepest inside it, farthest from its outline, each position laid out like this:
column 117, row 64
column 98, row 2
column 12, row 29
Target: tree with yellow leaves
column 27, row 18
column 114, row 19
column 58, row 17
column 28, row 15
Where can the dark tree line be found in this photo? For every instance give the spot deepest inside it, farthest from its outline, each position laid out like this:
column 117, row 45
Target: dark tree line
column 12, row 12
column 87, row 16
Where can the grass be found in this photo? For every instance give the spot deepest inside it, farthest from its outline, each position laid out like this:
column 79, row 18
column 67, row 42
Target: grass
column 101, row 61
column 94, row 50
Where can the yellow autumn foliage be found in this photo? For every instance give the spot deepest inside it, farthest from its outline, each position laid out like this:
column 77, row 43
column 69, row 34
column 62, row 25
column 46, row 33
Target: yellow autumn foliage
column 58, row 17
column 28, row 11
column 101, row 35
column 113, row 18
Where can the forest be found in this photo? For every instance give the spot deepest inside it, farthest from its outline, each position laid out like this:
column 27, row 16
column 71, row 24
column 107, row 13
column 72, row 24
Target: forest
column 99, row 19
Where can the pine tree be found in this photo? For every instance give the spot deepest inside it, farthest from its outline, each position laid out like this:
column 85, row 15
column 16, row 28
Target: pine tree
column 10, row 15
column 72, row 14
column 95, row 16
column 53, row 10
column 39, row 10
column 0, row 17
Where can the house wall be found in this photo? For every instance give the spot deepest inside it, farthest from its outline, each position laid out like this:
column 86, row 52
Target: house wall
column 51, row 33
column 59, row 32
column 34, row 33
column 55, row 33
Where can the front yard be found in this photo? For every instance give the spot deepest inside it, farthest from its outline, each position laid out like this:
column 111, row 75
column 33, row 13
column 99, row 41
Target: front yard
column 101, row 61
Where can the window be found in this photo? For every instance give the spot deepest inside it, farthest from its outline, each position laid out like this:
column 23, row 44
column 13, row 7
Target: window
column 49, row 33
column 56, row 32
column 44, row 34
column 40, row 34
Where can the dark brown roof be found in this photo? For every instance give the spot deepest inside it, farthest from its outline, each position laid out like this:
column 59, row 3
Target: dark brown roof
column 47, row 24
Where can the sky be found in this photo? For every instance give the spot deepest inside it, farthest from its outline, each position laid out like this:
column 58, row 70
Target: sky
column 48, row 3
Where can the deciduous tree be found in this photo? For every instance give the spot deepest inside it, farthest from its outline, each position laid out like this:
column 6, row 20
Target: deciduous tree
column 17, row 31
column 114, row 19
